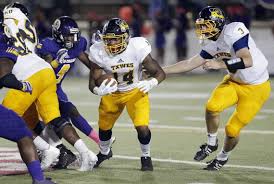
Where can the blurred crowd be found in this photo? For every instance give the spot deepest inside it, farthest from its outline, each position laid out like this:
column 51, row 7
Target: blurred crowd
column 157, row 16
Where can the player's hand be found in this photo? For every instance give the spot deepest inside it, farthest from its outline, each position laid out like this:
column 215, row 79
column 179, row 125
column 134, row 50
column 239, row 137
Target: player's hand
column 104, row 89
column 27, row 87
column 213, row 65
column 63, row 57
column 146, row 85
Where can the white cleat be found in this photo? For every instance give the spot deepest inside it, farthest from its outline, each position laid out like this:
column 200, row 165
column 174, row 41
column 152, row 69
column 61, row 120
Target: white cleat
column 49, row 156
column 88, row 160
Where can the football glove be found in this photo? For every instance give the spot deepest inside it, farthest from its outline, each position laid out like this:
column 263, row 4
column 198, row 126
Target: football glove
column 146, row 85
column 63, row 57
column 26, row 87
column 104, row 89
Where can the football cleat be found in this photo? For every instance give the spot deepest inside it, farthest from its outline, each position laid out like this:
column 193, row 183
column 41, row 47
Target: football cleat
column 205, row 150
column 49, row 156
column 215, row 164
column 88, row 160
column 65, row 159
column 45, row 181
column 146, row 164
column 101, row 157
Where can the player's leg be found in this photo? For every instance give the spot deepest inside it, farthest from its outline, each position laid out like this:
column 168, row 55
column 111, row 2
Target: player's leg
column 223, row 96
column 48, row 108
column 13, row 128
column 68, row 110
column 109, row 111
column 138, row 108
column 49, row 154
column 249, row 96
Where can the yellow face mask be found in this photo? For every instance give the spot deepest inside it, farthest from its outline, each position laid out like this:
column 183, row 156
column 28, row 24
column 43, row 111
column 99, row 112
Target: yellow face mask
column 115, row 44
column 205, row 29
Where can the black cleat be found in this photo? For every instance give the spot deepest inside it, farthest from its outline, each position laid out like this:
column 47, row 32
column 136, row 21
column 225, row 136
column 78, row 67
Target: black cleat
column 66, row 157
column 146, row 164
column 101, row 157
column 204, row 151
column 215, row 164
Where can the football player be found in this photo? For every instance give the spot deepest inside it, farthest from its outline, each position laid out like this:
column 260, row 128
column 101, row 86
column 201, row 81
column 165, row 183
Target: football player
column 12, row 127
column 124, row 57
column 231, row 47
column 34, row 69
column 61, row 50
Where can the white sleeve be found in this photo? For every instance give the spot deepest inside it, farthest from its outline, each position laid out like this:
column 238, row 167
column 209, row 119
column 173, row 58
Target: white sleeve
column 93, row 56
column 143, row 48
column 235, row 32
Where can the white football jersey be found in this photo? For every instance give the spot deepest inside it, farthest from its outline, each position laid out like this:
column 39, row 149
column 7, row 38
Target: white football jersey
column 223, row 47
column 127, row 66
column 18, row 26
column 28, row 65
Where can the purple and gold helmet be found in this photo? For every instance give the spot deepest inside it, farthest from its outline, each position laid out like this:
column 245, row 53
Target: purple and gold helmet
column 66, row 31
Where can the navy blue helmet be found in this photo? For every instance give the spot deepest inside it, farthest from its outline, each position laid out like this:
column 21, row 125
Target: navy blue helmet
column 66, row 31
column 19, row 6
column 210, row 22
column 115, row 35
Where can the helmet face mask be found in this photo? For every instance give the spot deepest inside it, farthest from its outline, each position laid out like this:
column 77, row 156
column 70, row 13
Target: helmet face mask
column 65, row 31
column 115, row 36
column 210, row 23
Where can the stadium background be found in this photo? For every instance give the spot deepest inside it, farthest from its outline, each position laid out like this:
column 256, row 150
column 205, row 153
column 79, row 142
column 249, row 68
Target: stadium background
column 177, row 114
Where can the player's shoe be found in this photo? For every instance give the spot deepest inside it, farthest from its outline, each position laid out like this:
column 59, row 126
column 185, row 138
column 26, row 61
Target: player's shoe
column 215, row 164
column 146, row 164
column 101, row 157
column 45, row 181
column 88, row 160
column 205, row 150
column 49, row 156
column 66, row 157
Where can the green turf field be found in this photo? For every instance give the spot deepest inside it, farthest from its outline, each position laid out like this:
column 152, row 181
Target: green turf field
column 177, row 124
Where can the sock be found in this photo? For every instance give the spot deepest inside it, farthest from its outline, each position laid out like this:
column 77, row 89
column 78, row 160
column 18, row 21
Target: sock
column 211, row 139
column 94, row 136
column 104, row 147
column 81, row 124
column 223, row 155
column 35, row 170
column 80, row 146
column 40, row 143
column 145, row 148
column 49, row 135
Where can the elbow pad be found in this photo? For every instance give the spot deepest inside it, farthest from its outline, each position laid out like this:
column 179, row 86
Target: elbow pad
column 234, row 64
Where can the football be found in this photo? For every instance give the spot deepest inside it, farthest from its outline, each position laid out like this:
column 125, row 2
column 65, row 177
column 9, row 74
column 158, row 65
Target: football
column 107, row 76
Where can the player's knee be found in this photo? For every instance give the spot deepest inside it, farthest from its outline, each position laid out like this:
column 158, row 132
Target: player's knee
column 232, row 131
column 68, row 109
column 58, row 125
column 144, row 134
column 213, row 107
column 105, row 135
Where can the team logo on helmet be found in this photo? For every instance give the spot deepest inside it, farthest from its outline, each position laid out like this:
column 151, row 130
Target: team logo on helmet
column 216, row 13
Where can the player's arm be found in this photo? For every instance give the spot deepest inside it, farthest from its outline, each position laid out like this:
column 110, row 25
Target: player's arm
column 83, row 57
column 8, row 80
column 185, row 65
column 94, row 74
column 153, row 68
